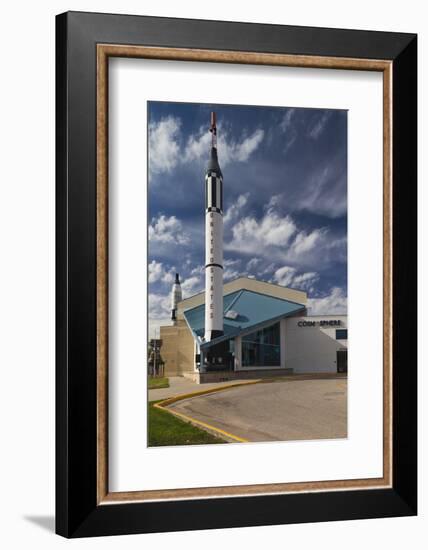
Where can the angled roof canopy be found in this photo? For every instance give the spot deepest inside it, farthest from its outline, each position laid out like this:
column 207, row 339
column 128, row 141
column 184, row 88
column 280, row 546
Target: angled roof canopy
column 247, row 311
column 247, row 283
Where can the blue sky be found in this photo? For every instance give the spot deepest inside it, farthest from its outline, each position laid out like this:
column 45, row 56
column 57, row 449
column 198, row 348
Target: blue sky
column 285, row 199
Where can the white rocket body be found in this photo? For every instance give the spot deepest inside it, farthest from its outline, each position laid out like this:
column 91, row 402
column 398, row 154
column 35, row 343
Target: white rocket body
column 213, row 246
column 176, row 296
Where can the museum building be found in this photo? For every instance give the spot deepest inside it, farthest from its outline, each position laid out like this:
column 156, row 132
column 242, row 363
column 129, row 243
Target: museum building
column 266, row 332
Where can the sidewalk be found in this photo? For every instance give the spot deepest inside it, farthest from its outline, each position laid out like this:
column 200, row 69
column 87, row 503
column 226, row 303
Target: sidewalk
column 179, row 385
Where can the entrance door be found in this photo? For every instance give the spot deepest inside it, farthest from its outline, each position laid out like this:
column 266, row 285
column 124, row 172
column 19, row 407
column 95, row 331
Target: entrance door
column 342, row 360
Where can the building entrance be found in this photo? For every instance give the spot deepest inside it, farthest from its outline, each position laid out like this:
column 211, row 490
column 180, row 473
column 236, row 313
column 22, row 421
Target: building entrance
column 342, row 360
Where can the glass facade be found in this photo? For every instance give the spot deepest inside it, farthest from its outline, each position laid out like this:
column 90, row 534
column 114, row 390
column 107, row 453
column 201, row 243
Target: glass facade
column 262, row 348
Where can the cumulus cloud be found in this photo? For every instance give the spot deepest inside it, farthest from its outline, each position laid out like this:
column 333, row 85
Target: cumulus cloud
column 250, row 235
column 166, row 229
column 159, row 313
column 230, row 274
column 197, row 145
column 277, row 238
column 288, row 276
column 157, row 272
column 198, row 270
column 267, row 269
column 274, row 201
column 242, row 151
column 231, row 150
column 306, row 280
column 159, row 306
column 234, row 211
column 253, row 263
column 230, row 269
column 304, row 242
column 164, row 149
column 192, row 285
column 334, row 303
column 284, row 275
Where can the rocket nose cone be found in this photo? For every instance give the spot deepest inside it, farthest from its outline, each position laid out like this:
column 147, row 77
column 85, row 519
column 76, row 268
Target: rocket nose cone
column 213, row 165
column 177, row 279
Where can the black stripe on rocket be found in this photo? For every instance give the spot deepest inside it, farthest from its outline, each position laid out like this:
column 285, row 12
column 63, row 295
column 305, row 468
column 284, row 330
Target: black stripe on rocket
column 216, row 202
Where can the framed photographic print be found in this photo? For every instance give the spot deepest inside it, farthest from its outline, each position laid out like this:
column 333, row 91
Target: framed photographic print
column 236, row 274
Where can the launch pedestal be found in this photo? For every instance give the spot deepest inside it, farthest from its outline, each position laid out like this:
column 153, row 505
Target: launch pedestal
column 217, row 358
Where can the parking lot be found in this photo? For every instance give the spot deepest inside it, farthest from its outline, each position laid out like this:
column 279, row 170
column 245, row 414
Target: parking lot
column 282, row 410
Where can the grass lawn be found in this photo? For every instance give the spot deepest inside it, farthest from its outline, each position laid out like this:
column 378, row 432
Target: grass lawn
column 157, row 383
column 167, row 429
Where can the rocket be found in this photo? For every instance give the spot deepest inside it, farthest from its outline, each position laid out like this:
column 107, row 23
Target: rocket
column 176, row 297
column 213, row 241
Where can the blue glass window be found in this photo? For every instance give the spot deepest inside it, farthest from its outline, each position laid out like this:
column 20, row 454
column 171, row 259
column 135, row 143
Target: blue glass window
column 262, row 348
column 342, row 334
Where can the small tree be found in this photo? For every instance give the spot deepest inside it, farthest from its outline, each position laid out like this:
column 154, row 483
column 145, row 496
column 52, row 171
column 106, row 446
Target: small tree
column 156, row 364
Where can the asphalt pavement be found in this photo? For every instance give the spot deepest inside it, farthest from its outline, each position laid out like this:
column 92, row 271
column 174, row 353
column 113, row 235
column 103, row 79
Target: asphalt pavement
column 282, row 410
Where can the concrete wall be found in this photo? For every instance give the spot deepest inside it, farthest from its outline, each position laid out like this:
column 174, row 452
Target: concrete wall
column 178, row 349
column 313, row 349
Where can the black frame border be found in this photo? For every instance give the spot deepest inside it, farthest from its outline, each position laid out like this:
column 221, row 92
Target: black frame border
column 77, row 512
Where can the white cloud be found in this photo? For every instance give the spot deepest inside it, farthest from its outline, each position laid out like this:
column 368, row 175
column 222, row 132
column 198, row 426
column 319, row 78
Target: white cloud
column 167, row 230
column 288, row 129
column 276, row 238
column 318, row 127
column 325, row 192
column 159, row 306
column 304, row 242
column 229, row 262
column 164, row 149
column 230, row 150
column 155, row 271
column 198, row 270
column 306, row 279
column 252, row 236
column 334, row 303
column 274, row 201
column 158, row 273
column 269, row 268
column 198, row 145
column 285, row 123
column 242, row 151
column 284, row 275
column 253, row 263
column 229, row 274
column 159, row 313
column 234, row 211
column 288, row 276
column 191, row 285
column 231, row 269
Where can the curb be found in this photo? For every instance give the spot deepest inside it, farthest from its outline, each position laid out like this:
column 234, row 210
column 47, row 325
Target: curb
column 170, row 400
column 162, row 405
